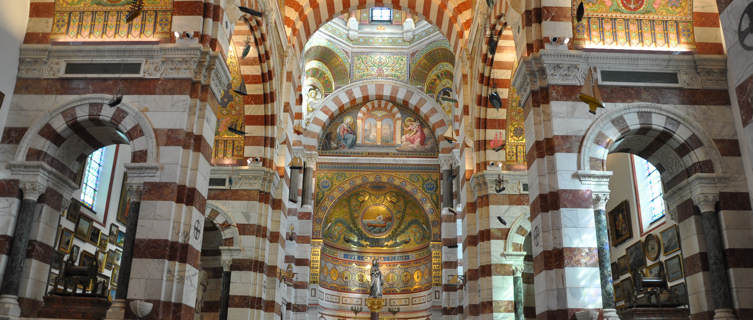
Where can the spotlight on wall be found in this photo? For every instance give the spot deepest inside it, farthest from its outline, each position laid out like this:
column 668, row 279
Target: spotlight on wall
column 115, row 100
column 251, row 11
column 495, row 99
column 501, row 220
column 580, row 12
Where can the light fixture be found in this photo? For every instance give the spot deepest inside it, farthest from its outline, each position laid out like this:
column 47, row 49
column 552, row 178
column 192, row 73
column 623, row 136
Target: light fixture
column 580, row 12
column 134, row 11
column 501, row 220
column 251, row 11
column 495, row 99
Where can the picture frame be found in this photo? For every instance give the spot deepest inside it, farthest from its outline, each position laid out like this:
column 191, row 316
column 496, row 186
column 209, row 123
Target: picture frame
column 101, row 260
column 83, row 228
column 618, row 292
column 114, row 276
column 118, row 256
column 110, row 263
column 670, row 239
column 673, row 268
column 113, row 235
column 652, row 247
column 627, row 288
column 619, row 224
column 654, row 270
column 85, row 258
column 73, row 211
column 113, row 291
column 57, row 260
column 679, row 291
column 121, row 239
column 124, row 202
column 103, row 240
column 65, row 240
column 623, row 264
column 636, row 257
column 73, row 255
column 105, row 279
column 94, row 236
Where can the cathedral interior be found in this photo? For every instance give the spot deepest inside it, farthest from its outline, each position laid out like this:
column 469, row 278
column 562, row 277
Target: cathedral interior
column 371, row 159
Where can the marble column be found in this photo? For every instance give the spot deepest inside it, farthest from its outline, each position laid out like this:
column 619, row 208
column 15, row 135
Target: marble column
column 602, row 243
column 225, row 288
column 445, row 164
column 518, row 291
column 712, row 234
column 17, row 255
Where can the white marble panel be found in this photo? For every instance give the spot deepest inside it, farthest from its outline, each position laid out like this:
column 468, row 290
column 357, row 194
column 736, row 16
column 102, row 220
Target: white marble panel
column 583, row 297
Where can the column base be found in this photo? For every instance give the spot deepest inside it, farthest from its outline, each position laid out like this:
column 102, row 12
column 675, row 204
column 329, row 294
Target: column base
column 9, row 308
column 117, row 310
column 724, row 314
column 611, row 314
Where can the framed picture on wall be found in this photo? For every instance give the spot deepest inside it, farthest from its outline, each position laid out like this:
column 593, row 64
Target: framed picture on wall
column 121, row 239
column 623, row 264
column 654, row 270
column 73, row 211
column 57, row 260
column 94, row 236
column 113, row 236
column 679, row 293
column 114, row 277
column 620, row 227
column 103, row 239
column 73, row 256
column 101, row 260
column 635, row 256
column 652, row 247
column 673, row 267
column 123, row 203
column 86, row 258
column 110, row 259
column 83, row 228
column 618, row 296
column 65, row 241
column 627, row 288
column 670, row 239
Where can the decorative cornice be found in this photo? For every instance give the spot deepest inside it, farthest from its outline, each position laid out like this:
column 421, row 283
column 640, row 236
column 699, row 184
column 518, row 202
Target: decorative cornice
column 138, row 173
column 158, row 61
column 220, row 77
column 701, row 188
column 261, row 179
column 35, row 175
column 484, row 183
column 568, row 68
column 597, row 180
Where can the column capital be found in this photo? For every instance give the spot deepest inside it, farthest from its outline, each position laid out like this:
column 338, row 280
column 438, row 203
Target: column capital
column 32, row 189
column 135, row 190
column 600, row 200
column 706, row 202
column 65, row 203
column 226, row 263
column 446, row 161
column 517, row 269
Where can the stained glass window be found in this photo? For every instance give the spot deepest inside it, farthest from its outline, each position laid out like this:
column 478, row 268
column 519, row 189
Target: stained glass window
column 92, row 177
column 381, row 14
column 650, row 191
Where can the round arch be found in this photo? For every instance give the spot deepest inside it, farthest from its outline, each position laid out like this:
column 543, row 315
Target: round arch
column 303, row 18
column 225, row 223
column 676, row 145
column 44, row 140
column 364, row 91
column 519, row 229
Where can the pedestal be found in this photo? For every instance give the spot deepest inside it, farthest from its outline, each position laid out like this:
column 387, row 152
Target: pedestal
column 724, row 314
column 374, row 304
column 9, row 308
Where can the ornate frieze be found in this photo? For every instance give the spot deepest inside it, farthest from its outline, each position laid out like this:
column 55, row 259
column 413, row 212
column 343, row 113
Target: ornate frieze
column 251, row 178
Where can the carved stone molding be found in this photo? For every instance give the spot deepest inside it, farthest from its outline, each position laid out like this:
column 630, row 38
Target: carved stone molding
column 600, row 201
column 158, row 61
column 35, row 172
column 706, row 202
column 702, row 188
column 220, row 77
column 446, row 161
column 568, row 68
column 138, row 173
column 261, row 179
column 485, row 183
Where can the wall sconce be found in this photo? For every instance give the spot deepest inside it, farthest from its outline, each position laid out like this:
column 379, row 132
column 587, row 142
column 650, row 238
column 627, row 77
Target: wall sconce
column 286, row 276
column 291, row 234
column 253, row 162
column 295, row 171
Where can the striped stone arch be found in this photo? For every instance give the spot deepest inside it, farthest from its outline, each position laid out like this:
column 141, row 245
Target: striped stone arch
column 68, row 134
column 302, row 18
column 517, row 235
column 364, row 91
column 225, row 223
column 671, row 141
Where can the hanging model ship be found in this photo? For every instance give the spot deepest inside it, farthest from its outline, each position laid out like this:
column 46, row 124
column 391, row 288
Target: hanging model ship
column 590, row 93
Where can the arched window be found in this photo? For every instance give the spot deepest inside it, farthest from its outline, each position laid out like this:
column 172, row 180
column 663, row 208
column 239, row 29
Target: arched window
column 381, row 14
column 650, row 193
column 92, row 177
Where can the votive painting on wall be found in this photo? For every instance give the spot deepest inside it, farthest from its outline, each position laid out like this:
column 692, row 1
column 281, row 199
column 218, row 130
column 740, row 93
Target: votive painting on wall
column 378, row 127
